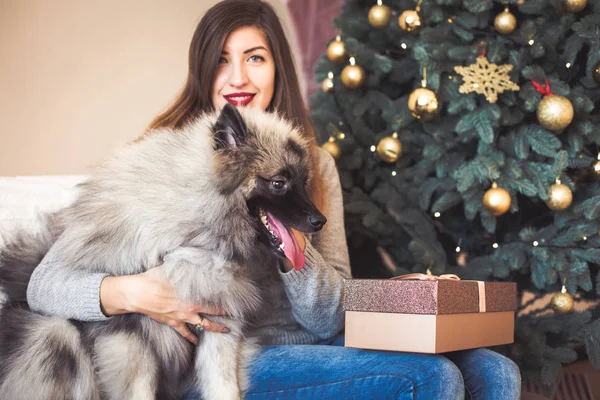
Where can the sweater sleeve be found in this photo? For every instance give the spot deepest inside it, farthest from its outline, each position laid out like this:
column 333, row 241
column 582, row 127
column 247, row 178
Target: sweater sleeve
column 59, row 291
column 315, row 291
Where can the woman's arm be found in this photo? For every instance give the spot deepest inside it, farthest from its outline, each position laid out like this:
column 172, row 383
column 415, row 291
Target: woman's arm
column 59, row 291
column 315, row 291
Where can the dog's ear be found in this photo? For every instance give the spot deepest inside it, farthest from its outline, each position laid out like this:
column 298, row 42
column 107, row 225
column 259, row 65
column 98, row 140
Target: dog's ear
column 230, row 130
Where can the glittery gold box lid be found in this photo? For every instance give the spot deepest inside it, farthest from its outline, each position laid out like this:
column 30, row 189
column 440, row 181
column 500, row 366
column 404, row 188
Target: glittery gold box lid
column 427, row 297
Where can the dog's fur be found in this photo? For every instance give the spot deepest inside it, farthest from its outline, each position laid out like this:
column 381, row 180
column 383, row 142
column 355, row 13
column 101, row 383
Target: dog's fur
column 184, row 202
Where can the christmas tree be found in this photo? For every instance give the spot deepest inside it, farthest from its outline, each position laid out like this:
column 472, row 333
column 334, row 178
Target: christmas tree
column 466, row 138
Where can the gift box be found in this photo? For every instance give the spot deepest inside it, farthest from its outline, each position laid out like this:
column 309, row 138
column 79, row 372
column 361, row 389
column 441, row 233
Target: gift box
column 428, row 314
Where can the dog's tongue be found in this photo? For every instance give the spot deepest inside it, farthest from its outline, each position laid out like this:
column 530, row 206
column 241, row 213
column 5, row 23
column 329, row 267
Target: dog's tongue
column 290, row 246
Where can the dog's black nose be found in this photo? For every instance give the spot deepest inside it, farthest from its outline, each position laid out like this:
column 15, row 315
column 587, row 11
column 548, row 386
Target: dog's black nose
column 317, row 222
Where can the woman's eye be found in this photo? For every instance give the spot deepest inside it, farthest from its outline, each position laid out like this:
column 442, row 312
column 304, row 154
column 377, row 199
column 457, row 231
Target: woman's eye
column 222, row 60
column 255, row 58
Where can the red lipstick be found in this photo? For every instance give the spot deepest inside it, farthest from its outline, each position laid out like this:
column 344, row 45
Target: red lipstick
column 239, row 99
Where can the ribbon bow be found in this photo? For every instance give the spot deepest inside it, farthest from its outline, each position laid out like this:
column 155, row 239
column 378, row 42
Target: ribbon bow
column 428, row 277
column 543, row 90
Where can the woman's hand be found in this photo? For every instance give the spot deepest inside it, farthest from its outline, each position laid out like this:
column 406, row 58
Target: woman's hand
column 299, row 239
column 150, row 295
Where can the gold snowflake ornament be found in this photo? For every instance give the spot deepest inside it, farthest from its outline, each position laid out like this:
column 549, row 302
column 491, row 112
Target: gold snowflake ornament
column 485, row 78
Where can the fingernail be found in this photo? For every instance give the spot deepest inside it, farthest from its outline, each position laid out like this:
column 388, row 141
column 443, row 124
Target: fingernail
column 226, row 330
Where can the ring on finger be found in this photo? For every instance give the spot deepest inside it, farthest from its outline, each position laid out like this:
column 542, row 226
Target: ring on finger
column 200, row 324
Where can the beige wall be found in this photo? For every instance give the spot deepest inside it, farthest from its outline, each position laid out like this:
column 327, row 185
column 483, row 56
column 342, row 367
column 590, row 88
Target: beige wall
column 80, row 77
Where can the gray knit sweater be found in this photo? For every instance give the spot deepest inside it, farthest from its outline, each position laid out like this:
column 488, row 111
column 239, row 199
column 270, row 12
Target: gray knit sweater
column 300, row 306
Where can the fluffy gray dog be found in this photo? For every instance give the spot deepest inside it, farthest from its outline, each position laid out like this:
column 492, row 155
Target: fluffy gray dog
column 193, row 204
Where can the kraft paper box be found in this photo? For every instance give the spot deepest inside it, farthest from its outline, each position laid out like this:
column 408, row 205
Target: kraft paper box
column 428, row 316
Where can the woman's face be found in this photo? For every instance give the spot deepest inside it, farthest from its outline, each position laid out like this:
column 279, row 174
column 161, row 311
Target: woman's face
column 246, row 72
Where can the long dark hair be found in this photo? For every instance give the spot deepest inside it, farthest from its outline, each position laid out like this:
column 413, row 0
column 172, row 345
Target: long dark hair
column 205, row 49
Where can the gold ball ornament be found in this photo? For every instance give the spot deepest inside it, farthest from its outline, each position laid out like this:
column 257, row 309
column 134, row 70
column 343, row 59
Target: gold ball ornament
column 574, row 5
column 562, row 302
column 555, row 112
column 332, row 148
column 389, row 148
column 596, row 73
column 353, row 76
column 336, row 51
column 496, row 200
column 423, row 103
column 505, row 22
column 560, row 197
column 327, row 84
column 380, row 15
column 409, row 21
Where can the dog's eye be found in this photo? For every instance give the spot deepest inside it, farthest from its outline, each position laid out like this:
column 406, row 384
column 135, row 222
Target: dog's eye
column 278, row 184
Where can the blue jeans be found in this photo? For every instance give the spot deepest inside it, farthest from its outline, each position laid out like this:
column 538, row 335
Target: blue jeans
column 329, row 371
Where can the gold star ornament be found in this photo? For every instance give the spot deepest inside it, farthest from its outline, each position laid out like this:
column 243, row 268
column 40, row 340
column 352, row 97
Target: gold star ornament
column 486, row 78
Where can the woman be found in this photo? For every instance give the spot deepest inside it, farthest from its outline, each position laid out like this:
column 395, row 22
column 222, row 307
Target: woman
column 239, row 54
